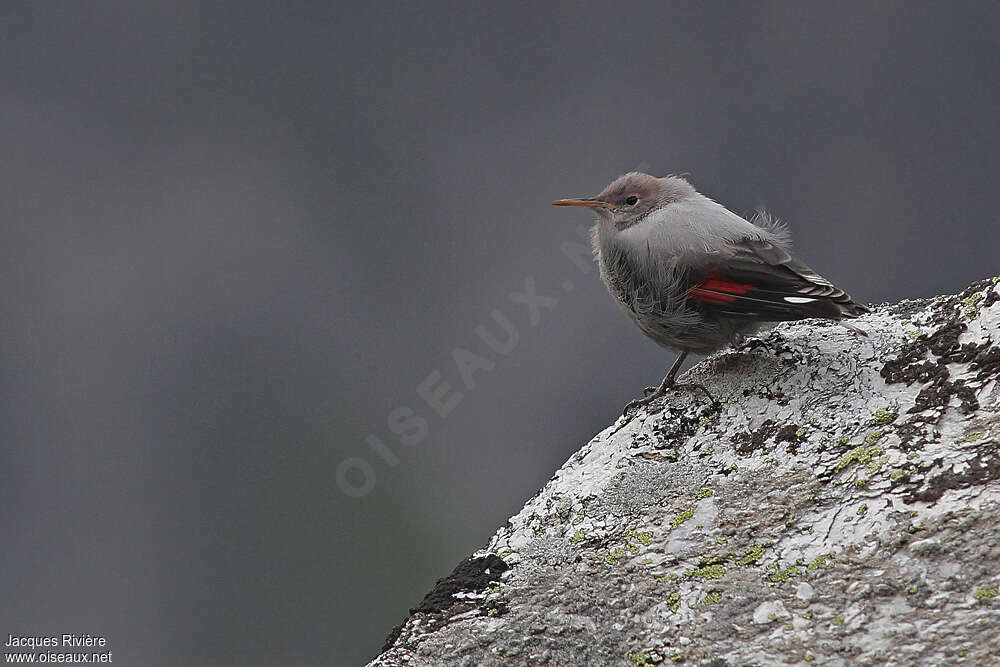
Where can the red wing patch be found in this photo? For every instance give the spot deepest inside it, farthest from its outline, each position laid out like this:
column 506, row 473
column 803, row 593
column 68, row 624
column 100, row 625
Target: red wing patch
column 718, row 291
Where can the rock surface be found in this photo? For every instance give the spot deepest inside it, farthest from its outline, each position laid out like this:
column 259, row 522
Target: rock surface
column 841, row 509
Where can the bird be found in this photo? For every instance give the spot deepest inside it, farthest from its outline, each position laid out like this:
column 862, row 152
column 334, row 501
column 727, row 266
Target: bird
column 696, row 277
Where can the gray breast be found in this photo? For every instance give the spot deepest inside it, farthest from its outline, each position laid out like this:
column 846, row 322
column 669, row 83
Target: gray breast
column 654, row 295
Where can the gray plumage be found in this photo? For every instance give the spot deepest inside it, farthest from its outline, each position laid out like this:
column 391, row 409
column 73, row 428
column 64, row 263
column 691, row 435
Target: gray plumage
column 693, row 275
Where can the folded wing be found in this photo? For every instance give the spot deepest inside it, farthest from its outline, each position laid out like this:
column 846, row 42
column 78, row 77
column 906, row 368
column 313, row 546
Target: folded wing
column 760, row 281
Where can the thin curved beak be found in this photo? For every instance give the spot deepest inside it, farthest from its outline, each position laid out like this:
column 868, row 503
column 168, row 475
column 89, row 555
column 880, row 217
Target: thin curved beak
column 589, row 202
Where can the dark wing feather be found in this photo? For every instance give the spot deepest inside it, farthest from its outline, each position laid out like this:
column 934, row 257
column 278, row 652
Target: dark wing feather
column 759, row 280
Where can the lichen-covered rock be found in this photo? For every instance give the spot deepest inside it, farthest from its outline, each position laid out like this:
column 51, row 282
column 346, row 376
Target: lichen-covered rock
column 841, row 508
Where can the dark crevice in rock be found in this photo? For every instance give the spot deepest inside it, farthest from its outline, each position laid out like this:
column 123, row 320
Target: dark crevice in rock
column 751, row 441
column 469, row 576
column 980, row 471
column 926, row 359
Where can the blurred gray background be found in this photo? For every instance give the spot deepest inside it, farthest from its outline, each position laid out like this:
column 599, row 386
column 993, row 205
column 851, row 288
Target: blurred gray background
column 236, row 236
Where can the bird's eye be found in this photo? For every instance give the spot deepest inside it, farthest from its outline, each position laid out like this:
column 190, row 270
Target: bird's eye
column 631, row 201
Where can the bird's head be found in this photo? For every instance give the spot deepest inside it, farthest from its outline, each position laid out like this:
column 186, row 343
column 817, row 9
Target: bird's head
column 630, row 198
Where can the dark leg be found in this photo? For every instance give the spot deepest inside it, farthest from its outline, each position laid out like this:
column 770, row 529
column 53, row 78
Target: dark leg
column 652, row 393
column 668, row 383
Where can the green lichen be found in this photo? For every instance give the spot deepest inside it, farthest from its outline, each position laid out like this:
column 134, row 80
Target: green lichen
column 721, row 540
column 780, row 575
column 645, row 538
column 674, row 601
column 876, row 464
column 682, row 517
column 810, row 657
column 883, row 417
column 704, row 492
column 667, row 578
column 710, row 451
column 712, row 598
column 801, row 432
column 861, row 454
column 973, row 304
column 838, row 620
column 613, row 557
column 971, row 437
column 676, row 657
column 874, row 436
column 752, row 554
column 578, row 519
column 985, row 593
column 578, row 536
column 821, row 562
column 640, row 660
column 715, row 571
column 789, row 626
column 808, row 615
column 863, row 510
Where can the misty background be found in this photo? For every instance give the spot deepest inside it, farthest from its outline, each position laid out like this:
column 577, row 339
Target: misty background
column 236, row 236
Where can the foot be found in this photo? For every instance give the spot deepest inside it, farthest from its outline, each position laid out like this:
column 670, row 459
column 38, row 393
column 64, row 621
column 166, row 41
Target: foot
column 650, row 394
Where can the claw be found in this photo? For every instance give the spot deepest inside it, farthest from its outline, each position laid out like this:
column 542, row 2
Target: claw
column 649, row 397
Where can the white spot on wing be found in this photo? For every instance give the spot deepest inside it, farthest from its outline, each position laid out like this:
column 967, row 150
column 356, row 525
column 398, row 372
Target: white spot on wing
column 798, row 299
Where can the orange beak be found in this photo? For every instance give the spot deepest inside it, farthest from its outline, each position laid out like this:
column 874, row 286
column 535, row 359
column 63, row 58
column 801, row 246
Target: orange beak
column 589, row 202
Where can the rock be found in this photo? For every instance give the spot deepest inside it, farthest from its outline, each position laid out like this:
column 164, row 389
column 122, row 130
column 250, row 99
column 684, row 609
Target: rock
column 769, row 612
column 840, row 508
